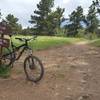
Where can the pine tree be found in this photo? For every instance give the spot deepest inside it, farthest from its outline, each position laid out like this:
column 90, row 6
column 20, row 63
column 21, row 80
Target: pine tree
column 75, row 19
column 0, row 14
column 92, row 20
column 13, row 23
column 41, row 14
column 96, row 4
column 55, row 20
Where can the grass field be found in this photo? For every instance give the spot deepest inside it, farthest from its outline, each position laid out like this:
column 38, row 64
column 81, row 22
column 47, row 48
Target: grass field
column 95, row 42
column 41, row 42
column 44, row 42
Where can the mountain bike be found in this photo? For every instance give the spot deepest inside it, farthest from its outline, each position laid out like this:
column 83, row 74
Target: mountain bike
column 33, row 66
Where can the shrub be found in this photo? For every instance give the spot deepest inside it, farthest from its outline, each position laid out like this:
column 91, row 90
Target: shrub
column 4, row 71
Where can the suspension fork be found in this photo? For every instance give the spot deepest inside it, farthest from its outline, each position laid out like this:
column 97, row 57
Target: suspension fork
column 32, row 64
column 30, row 51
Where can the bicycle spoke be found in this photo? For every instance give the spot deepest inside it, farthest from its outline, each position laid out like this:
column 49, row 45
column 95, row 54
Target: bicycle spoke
column 33, row 68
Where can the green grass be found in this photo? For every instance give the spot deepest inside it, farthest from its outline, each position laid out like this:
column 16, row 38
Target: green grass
column 42, row 42
column 4, row 71
column 95, row 42
column 45, row 42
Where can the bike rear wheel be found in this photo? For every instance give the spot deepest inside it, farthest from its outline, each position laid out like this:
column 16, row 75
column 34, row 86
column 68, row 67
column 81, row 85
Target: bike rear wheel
column 33, row 68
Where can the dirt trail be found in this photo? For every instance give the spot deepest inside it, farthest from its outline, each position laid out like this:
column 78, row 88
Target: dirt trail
column 71, row 73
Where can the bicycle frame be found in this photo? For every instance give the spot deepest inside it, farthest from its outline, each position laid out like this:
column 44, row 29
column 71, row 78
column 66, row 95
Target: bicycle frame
column 16, row 49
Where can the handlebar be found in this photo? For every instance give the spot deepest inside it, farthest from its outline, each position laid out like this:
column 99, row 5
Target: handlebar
column 26, row 40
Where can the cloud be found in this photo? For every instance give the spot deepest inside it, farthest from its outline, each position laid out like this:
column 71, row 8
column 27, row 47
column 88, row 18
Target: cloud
column 24, row 8
column 20, row 8
column 71, row 5
column 65, row 1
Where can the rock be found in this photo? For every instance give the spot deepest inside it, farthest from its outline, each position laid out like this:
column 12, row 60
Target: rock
column 68, row 98
column 56, row 94
column 68, row 88
column 83, row 81
column 84, row 97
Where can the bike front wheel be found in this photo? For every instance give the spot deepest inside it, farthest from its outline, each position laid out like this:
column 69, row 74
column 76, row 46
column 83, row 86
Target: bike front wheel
column 33, row 68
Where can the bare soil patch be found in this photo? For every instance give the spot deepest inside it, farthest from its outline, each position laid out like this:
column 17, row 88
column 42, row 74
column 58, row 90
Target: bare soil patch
column 72, row 72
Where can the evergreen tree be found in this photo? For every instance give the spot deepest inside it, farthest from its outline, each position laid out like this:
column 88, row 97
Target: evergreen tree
column 92, row 20
column 28, row 31
column 96, row 3
column 55, row 20
column 13, row 23
column 0, row 14
column 40, row 18
column 75, row 19
column 59, row 16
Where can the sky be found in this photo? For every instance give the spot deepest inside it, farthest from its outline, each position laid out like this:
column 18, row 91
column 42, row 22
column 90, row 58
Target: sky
column 22, row 9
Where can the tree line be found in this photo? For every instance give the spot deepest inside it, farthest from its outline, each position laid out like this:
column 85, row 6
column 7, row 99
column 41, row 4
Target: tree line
column 46, row 21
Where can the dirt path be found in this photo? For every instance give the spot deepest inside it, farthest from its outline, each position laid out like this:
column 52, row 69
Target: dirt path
column 71, row 73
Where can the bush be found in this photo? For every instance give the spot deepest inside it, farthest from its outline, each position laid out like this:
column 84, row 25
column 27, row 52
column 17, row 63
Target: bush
column 91, row 36
column 60, row 33
column 81, row 33
column 4, row 71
